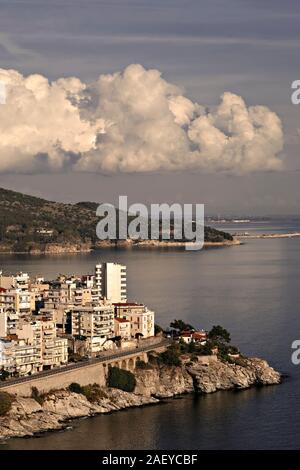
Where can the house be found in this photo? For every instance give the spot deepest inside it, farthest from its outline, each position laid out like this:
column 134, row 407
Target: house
column 140, row 317
column 192, row 336
column 122, row 328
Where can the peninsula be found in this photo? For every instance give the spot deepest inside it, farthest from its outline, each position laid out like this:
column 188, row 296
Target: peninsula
column 33, row 225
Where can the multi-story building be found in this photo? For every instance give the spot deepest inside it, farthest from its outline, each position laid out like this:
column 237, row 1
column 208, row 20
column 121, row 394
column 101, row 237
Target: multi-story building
column 19, row 281
column 122, row 328
column 6, row 355
column 8, row 322
column 61, row 291
column 110, row 281
column 38, row 318
column 33, row 347
column 22, row 301
column 96, row 324
column 26, row 358
column 140, row 317
column 18, row 357
column 83, row 295
column 54, row 350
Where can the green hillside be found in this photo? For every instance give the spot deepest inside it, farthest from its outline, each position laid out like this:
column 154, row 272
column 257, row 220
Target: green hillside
column 28, row 223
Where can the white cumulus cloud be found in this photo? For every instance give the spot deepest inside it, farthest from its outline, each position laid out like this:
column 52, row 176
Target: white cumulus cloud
column 130, row 121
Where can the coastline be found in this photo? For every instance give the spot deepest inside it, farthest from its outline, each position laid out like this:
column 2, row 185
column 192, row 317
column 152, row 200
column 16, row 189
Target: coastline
column 126, row 244
column 270, row 235
column 27, row 417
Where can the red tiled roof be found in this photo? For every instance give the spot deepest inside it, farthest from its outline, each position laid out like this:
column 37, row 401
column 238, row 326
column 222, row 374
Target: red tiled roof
column 199, row 334
column 127, row 304
column 122, row 320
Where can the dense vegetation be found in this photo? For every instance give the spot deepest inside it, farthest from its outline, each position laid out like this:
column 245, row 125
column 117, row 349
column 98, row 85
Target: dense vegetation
column 217, row 342
column 92, row 392
column 122, row 379
column 37, row 396
column 25, row 221
column 6, row 401
column 180, row 325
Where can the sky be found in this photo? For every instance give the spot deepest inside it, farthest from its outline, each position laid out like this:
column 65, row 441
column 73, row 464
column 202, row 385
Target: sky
column 249, row 48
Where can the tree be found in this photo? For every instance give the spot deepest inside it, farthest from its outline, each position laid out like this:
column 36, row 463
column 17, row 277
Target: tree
column 138, row 335
column 180, row 325
column 4, row 374
column 5, row 402
column 157, row 329
column 219, row 334
column 171, row 356
column 75, row 387
column 122, row 379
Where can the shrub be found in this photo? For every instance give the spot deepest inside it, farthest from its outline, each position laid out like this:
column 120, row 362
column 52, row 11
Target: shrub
column 142, row 365
column 219, row 334
column 194, row 358
column 92, row 392
column 75, row 357
column 153, row 358
column 171, row 356
column 205, row 349
column 35, row 394
column 5, row 402
column 122, row 379
column 180, row 325
column 157, row 329
column 4, row 374
column 75, row 388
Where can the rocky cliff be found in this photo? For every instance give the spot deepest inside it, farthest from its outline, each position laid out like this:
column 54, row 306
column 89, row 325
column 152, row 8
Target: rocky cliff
column 27, row 417
column 216, row 375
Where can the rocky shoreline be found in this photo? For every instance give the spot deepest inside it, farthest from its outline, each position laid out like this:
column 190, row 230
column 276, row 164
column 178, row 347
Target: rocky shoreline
column 58, row 249
column 27, row 417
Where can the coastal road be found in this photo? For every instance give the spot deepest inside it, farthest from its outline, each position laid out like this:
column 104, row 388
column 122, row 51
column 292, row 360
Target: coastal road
column 105, row 357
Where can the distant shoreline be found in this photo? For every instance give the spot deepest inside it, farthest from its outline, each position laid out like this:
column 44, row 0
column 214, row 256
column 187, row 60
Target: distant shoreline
column 269, row 235
column 62, row 250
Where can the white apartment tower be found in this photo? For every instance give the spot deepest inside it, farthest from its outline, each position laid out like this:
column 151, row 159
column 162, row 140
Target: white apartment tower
column 110, row 280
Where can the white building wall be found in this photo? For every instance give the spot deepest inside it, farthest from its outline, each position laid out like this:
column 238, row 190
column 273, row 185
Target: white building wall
column 111, row 281
column 3, row 323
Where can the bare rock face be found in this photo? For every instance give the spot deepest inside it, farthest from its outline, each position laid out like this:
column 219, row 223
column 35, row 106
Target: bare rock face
column 219, row 375
column 163, row 381
column 27, row 417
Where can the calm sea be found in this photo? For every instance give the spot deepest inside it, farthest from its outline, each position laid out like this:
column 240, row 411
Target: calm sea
column 254, row 291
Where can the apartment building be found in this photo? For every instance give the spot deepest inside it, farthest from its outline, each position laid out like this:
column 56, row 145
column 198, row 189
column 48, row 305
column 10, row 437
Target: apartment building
column 111, row 281
column 37, row 318
column 83, row 295
column 6, row 355
column 54, row 350
column 21, row 301
column 19, row 281
column 96, row 324
column 140, row 317
column 19, row 358
column 122, row 328
column 33, row 347
column 26, row 358
column 61, row 292
column 8, row 322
